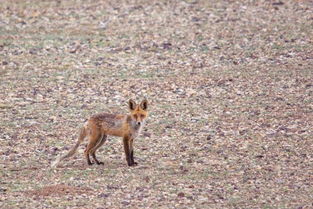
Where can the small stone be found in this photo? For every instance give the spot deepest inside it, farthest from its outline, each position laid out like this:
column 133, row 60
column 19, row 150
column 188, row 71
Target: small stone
column 147, row 179
column 146, row 134
column 181, row 194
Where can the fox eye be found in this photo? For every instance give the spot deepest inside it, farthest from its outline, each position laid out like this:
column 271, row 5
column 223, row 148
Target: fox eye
column 142, row 116
column 135, row 116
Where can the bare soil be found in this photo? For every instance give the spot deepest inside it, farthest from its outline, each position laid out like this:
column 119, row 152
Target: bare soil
column 230, row 90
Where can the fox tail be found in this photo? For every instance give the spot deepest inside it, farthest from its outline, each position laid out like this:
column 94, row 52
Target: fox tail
column 81, row 137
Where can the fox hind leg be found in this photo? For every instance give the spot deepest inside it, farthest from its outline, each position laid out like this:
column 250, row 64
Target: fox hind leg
column 94, row 149
column 87, row 152
column 94, row 139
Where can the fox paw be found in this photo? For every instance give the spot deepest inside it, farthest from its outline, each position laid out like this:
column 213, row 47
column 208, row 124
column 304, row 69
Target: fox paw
column 133, row 164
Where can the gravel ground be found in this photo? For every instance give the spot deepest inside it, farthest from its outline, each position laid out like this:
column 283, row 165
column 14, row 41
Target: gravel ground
column 230, row 88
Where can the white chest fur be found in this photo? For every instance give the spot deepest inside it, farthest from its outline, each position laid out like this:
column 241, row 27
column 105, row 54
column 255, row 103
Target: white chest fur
column 137, row 130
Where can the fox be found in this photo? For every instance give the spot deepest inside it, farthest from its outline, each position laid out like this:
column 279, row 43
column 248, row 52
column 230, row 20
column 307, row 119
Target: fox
column 99, row 126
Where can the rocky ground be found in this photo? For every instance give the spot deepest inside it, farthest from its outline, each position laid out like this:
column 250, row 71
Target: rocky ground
column 230, row 86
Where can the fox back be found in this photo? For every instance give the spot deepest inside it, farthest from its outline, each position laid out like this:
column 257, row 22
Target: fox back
column 121, row 125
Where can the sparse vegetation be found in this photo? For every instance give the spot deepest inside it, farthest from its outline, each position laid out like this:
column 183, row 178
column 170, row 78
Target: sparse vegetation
column 231, row 91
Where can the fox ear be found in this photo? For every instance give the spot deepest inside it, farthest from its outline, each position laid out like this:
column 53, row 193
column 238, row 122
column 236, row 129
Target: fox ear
column 132, row 104
column 144, row 104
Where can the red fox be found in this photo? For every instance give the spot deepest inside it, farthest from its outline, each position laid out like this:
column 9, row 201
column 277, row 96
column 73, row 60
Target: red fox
column 99, row 126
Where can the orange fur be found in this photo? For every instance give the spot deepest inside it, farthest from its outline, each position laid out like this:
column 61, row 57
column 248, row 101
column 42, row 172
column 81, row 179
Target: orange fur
column 99, row 126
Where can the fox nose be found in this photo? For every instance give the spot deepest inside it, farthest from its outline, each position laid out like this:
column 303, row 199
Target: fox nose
column 139, row 123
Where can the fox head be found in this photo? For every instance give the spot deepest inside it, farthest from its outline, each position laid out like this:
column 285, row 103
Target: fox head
column 138, row 112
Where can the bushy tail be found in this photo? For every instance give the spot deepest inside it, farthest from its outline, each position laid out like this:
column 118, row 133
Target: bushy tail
column 81, row 137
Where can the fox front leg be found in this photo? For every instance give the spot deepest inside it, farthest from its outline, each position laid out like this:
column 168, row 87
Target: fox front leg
column 131, row 148
column 126, row 142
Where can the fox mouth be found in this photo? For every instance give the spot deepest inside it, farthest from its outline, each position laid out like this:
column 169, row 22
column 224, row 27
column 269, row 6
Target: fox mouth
column 137, row 125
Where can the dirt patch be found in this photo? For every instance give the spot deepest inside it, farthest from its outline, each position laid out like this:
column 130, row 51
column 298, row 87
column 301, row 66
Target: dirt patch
column 58, row 190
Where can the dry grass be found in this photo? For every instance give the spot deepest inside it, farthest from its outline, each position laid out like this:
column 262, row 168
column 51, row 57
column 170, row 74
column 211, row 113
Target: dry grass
column 231, row 90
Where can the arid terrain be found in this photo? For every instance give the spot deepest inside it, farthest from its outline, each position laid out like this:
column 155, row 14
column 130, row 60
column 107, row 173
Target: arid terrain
column 230, row 90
